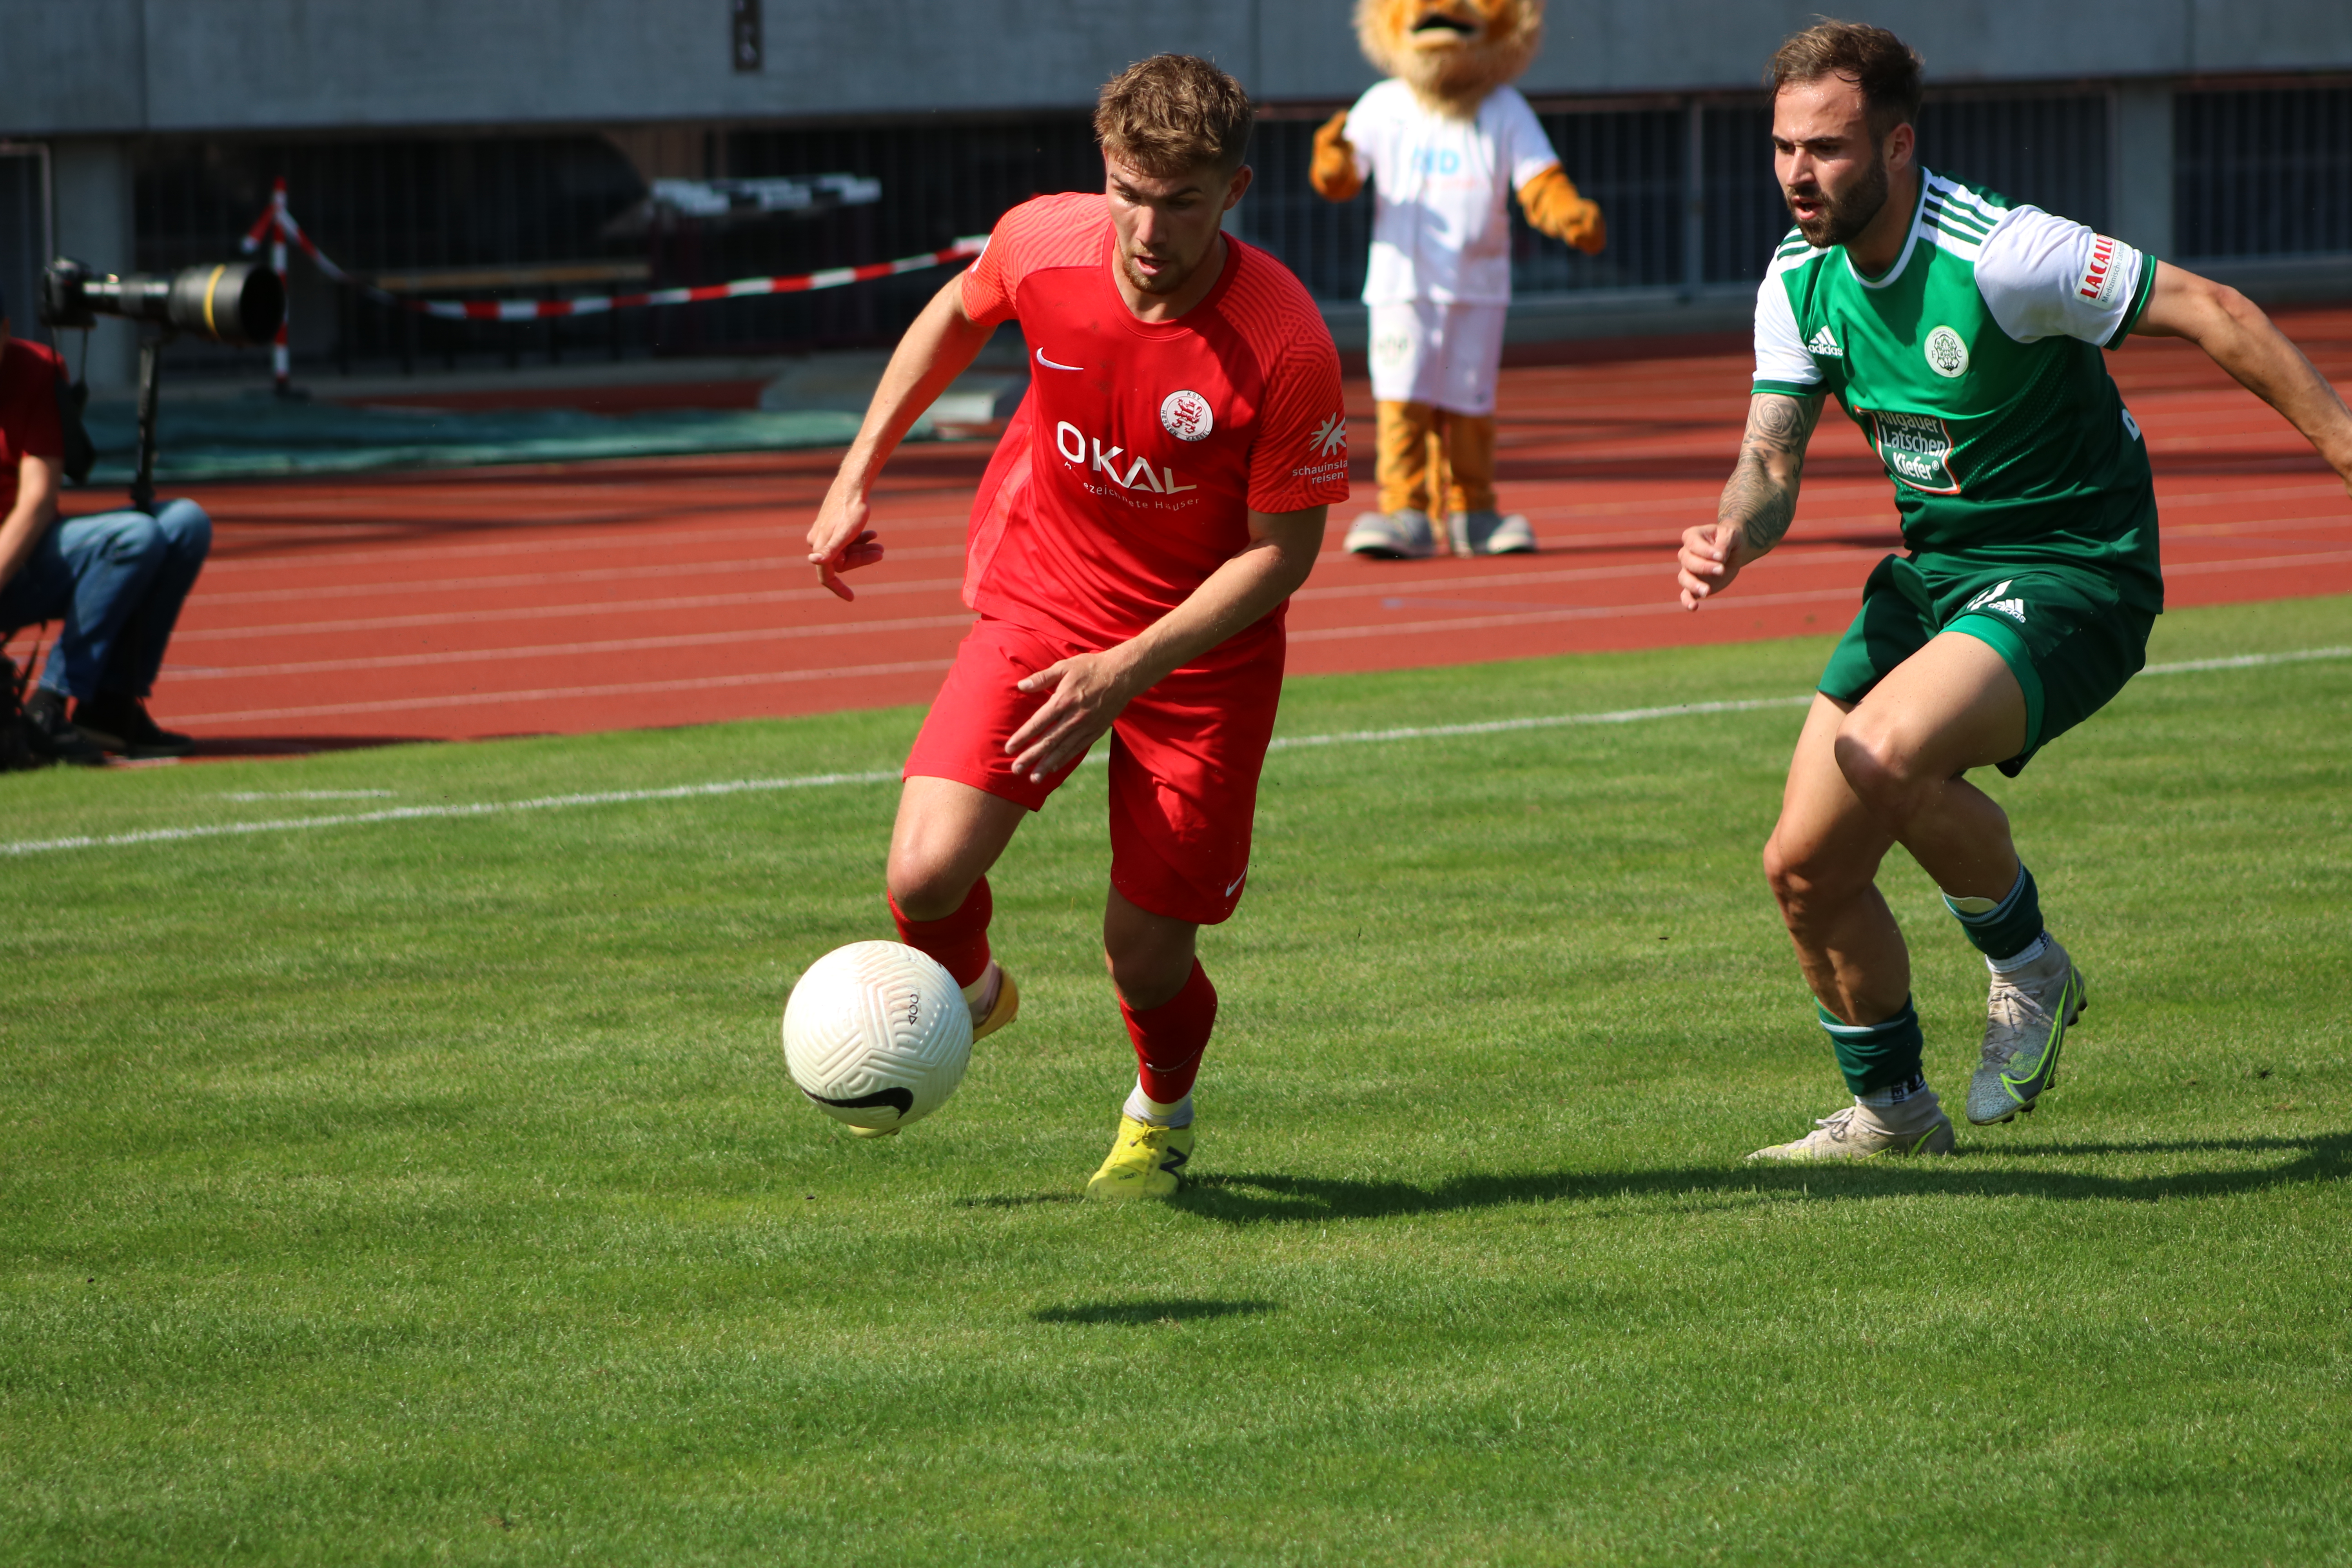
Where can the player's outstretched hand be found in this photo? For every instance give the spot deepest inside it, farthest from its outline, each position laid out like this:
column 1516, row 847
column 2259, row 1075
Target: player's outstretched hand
column 839, row 541
column 1087, row 693
column 1708, row 562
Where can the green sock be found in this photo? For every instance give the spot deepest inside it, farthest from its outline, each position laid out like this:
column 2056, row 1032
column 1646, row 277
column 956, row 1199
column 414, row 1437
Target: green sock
column 2006, row 929
column 1876, row 1055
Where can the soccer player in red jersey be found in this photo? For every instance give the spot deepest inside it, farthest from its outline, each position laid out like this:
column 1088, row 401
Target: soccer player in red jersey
column 1157, row 499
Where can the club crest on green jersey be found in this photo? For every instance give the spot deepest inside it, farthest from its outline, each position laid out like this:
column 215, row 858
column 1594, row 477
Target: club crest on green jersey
column 1948, row 353
column 1917, row 450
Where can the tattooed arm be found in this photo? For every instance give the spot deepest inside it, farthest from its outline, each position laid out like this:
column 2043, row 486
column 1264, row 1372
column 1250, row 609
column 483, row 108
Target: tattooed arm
column 1758, row 501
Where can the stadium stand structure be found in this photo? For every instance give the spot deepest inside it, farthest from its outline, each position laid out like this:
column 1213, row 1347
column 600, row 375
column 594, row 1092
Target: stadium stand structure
column 150, row 136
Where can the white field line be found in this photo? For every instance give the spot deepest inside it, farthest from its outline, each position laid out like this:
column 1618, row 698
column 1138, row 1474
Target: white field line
column 2247, row 660
column 885, row 775
column 424, row 813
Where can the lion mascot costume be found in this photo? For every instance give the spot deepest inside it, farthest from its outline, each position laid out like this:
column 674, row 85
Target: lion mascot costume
column 1444, row 141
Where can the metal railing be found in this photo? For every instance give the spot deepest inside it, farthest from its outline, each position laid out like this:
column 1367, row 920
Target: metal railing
column 2264, row 173
column 1686, row 183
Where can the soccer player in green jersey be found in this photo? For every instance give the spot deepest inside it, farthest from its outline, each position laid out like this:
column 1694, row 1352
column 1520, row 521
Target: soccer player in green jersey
column 1962, row 332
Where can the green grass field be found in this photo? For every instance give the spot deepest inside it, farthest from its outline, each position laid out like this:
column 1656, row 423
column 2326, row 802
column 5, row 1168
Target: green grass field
column 431, row 1189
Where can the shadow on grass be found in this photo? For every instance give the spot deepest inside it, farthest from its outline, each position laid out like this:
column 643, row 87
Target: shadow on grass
column 1247, row 1198
column 1176, row 1312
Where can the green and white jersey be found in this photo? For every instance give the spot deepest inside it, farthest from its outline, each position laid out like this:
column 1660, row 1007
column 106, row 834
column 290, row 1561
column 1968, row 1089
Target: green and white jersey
column 1973, row 367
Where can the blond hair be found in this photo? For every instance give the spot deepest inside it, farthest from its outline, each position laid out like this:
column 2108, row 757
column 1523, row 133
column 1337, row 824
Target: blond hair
column 1171, row 114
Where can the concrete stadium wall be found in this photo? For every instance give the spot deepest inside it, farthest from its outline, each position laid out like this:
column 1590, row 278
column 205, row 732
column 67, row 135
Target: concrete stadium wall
column 131, row 66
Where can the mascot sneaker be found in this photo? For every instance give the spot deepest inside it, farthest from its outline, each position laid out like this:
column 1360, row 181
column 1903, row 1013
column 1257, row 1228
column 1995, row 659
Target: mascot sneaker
column 1490, row 533
column 1857, row 1133
column 1147, row 1161
column 1392, row 536
column 2027, row 1017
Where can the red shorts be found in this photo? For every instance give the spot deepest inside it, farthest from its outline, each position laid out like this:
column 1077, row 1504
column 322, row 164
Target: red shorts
column 1184, row 761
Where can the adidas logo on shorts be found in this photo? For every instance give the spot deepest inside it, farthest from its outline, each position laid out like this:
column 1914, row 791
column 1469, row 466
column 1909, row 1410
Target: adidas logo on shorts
column 1824, row 345
column 1990, row 600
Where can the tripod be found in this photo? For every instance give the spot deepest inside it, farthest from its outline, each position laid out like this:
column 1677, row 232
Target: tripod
column 150, row 378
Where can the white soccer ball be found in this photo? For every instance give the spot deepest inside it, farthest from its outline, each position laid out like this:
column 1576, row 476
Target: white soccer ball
column 876, row 1034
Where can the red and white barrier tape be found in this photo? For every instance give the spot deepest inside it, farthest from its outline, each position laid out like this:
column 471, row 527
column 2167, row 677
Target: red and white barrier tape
column 277, row 217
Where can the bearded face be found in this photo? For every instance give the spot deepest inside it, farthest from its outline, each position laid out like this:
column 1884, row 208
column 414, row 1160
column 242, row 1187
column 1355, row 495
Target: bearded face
column 1831, row 215
column 1452, row 53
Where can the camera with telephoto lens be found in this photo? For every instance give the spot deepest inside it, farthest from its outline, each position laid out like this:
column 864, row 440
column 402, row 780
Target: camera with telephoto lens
column 233, row 302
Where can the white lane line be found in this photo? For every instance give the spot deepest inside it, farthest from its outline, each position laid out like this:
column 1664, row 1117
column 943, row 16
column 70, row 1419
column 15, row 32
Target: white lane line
column 883, row 775
column 1850, row 594
column 605, row 608
column 440, row 587
column 499, row 656
column 2254, row 563
column 1794, row 553
column 555, row 694
column 335, row 547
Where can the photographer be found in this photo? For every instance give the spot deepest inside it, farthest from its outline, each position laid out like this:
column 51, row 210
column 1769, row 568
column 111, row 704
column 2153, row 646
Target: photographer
column 114, row 581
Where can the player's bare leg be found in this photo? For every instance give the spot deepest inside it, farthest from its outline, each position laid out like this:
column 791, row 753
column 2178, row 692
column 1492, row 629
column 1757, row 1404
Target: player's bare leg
column 1890, row 770
column 1169, row 1007
column 1953, row 705
column 1823, row 861
column 947, row 837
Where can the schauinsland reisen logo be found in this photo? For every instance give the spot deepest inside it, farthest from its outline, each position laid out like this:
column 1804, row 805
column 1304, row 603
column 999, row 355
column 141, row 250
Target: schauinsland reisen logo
column 1917, row 450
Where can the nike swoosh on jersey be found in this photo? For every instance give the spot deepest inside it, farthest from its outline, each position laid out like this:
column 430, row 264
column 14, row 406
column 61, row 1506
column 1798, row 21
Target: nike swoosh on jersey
column 1236, row 882
column 1050, row 364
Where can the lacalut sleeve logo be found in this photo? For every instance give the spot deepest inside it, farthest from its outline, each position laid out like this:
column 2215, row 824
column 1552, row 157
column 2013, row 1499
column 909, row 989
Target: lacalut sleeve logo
column 1186, row 415
column 2099, row 277
column 1330, row 437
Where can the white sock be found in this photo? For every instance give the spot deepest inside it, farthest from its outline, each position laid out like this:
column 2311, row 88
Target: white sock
column 1151, row 1113
column 2016, row 961
column 1901, row 1107
column 981, row 995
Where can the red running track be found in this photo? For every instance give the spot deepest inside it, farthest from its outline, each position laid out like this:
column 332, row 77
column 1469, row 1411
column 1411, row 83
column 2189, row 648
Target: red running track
column 622, row 594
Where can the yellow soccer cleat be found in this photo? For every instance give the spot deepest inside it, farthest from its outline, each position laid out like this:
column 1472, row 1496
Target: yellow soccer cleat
column 992, row 1009
column 1147, row 1161
column 999, row 1009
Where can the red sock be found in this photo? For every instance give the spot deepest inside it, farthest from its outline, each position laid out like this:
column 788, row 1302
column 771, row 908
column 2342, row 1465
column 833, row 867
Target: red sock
column 959, row 941
column 1169, row 1038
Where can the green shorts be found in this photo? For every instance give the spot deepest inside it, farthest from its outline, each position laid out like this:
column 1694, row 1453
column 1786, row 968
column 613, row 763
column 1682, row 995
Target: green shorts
column 2064, row 632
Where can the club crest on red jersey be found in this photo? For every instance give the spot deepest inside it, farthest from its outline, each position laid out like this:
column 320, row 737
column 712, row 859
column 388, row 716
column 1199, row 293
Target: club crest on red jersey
column 1187, row 416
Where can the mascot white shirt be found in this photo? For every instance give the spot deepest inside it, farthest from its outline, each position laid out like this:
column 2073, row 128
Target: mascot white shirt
column 1439, row 277
column 1441, row 228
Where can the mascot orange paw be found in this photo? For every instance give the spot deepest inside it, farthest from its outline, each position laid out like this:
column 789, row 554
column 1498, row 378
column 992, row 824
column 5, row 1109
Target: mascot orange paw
column 1554, row 207
column 1333, row 173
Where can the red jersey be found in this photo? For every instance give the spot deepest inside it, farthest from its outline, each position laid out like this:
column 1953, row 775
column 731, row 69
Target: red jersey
column 29, row 374
column 1128, row 475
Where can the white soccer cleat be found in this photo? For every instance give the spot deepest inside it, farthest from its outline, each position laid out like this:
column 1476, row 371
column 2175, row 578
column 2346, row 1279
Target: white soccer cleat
column 1857, row 1133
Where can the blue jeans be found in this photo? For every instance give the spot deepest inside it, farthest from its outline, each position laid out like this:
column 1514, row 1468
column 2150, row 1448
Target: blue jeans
column 116, row 582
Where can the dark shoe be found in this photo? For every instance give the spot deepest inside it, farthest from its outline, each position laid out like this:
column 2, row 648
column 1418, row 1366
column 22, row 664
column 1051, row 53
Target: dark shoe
column 52, row 738
column 120, row 725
